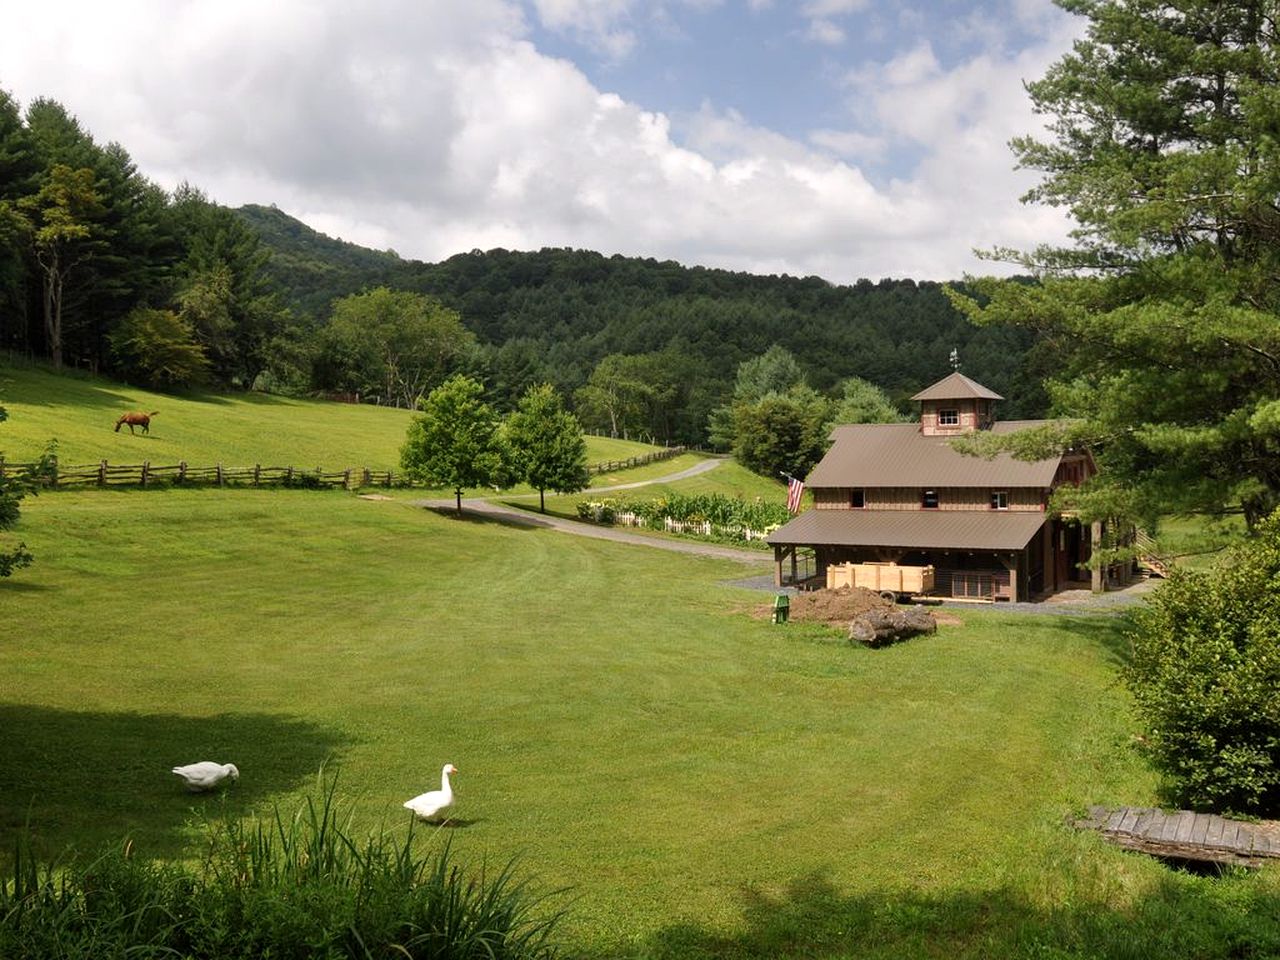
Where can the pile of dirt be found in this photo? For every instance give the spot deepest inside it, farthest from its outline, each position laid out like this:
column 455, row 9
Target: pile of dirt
column 837, row 607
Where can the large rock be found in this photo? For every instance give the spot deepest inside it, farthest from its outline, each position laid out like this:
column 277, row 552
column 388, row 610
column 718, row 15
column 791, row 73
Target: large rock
column 878, row 628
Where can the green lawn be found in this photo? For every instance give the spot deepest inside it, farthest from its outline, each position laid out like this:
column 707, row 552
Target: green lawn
column 707, row 783
column 238, row 429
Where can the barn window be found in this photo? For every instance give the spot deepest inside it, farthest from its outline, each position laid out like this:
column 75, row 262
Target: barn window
column 949, row 418
column 930, row 500
column 999, row 500
column 857, row 499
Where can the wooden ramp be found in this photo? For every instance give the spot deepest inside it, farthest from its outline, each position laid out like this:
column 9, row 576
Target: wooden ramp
column 1184, row 835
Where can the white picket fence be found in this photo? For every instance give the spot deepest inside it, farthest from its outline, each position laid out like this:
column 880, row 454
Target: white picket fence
column 703, row 528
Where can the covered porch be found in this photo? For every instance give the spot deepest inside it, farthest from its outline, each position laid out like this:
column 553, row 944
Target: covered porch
column 993, row 557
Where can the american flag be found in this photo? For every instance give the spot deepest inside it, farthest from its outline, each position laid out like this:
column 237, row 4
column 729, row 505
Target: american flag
column 795, row 490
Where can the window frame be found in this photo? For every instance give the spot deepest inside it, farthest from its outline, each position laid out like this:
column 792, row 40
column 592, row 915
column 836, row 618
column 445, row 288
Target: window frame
column 948, row 416
column 857, row 498
column 925, row 496
column 999, row 499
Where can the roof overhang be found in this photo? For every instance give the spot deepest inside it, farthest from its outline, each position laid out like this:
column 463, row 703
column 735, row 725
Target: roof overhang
column 912, row 529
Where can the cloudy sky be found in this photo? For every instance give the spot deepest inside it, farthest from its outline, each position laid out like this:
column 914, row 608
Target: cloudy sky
column 843, row 138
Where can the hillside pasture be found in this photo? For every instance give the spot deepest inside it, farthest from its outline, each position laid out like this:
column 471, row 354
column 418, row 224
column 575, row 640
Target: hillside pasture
column 705, row 782
column 239, row 429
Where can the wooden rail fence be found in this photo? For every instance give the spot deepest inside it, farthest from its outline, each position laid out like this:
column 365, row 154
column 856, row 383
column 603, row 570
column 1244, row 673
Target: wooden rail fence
column 147, row 474
column 609, row 466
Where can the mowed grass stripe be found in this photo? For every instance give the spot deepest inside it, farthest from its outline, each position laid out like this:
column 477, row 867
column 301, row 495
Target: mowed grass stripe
column 619, row 720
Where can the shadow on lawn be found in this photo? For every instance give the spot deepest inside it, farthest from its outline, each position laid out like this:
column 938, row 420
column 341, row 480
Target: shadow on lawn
column 1109, row 632
column 86, row 778
column 486, row 518
column 1182, row 917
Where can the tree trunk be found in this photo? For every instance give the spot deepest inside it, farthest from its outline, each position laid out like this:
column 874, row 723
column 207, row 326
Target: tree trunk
column 458, row 493
column 53, row 313
column 542, row 500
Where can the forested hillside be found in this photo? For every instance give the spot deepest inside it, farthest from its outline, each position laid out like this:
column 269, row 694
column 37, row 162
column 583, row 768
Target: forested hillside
column 102, row 269
column 554, row 314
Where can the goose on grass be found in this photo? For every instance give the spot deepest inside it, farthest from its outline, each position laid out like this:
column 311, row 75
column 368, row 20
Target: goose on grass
column 206, row 775
column 434, row 802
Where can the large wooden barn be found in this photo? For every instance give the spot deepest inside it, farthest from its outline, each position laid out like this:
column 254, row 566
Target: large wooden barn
column 898, row 492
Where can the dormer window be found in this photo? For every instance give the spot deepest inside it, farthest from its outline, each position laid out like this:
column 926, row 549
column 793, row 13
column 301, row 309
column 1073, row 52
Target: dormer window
column 857, row 498
column 948, row 417
column 999, row 499
column 929, row 500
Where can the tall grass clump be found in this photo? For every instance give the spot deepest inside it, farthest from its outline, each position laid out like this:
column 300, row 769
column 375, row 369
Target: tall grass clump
column 289, row 888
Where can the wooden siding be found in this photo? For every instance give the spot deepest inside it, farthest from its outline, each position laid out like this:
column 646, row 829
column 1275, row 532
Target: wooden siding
column 1074, row 470
column 909, row 498
column 973, row 415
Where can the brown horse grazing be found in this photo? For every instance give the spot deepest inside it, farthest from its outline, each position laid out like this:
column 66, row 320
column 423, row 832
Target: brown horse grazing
column 134, row 418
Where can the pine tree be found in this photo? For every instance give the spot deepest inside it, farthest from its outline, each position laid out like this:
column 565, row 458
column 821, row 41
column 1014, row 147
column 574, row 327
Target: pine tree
column 1164, row 313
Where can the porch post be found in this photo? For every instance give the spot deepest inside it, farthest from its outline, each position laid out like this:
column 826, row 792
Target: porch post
column 1098, row 582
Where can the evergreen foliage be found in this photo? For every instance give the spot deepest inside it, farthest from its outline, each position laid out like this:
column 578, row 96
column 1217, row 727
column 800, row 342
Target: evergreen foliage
column 1204, row 675
column 641, row 348
column 1163, row 314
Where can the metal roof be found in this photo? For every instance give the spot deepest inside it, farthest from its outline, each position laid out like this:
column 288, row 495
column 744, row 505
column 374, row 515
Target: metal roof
column 957, row 387
column 900, row 455
column 912, row 529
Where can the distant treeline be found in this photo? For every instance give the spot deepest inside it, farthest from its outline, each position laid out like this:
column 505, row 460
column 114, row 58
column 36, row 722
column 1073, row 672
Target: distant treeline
column 554, row 314
column 102, row 269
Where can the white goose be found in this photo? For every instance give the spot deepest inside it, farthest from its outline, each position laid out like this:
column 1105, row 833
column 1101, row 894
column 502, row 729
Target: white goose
column 206, row 774
column 427, row 805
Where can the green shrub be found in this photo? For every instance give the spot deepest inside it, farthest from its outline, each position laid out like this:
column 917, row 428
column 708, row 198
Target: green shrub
column 720, row 510
column 1205, row 674
column 299, row 887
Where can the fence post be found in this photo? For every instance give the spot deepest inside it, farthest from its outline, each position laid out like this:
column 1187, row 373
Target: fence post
column 218, row 474
column 53, row 470
column 102, row 473
column 257, row 472
column 1, row 466
column 288, row 475
column 366, row 479
column 346, row 479
column 146, row 469
column 388, row 478
column 182, row 471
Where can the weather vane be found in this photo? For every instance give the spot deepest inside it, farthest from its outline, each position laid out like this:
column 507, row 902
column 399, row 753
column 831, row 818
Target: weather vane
column 955, row 359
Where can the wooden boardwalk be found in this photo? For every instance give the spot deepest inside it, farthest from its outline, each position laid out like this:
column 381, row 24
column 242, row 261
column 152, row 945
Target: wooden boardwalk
column 1185, row 835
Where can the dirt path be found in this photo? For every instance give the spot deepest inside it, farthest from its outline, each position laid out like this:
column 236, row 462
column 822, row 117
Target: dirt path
column 476, row 506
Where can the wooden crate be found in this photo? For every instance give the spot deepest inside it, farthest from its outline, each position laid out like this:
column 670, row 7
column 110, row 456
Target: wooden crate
column 882, row 578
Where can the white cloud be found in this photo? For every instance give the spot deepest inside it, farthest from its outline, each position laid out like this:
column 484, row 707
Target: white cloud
column 601, row 24
column 825, row 32
column 829, row 8
column 821, row 16
column 437, row 127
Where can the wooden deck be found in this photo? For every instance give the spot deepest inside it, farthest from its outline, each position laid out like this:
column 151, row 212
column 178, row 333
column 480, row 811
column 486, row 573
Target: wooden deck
column 1185, row 835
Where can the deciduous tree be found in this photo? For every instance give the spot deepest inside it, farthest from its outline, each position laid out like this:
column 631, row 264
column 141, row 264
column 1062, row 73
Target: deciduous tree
column 62, row 216
column 393, row 343
column 158, row 348
column 546, row 445
column 782, row 433
column 454, row 441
